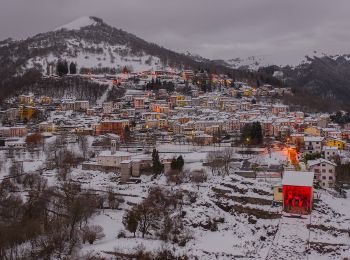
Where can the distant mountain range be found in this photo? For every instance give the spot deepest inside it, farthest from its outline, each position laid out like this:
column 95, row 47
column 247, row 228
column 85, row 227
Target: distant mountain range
column 320, row 77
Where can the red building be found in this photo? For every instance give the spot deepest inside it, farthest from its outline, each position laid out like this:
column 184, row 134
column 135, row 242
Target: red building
column 297, row 192
column 111, row 126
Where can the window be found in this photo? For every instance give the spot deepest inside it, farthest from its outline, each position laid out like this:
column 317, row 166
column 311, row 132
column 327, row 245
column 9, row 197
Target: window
column 280, row 190
column 330, row 178
column 323, row 165
column 323, row 177
column 330, row 170
column 323, row 170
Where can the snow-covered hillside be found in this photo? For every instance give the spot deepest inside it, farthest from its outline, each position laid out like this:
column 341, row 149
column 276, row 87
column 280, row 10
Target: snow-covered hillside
column 93, row 52
column 92, row 44
column 251, row 63
column 78, row 23
column 102, row 55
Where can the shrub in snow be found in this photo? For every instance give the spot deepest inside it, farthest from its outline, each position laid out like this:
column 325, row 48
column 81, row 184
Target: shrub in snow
column 92, row 233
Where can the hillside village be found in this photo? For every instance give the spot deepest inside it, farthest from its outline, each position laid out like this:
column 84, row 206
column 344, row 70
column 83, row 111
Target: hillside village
column 201, row 155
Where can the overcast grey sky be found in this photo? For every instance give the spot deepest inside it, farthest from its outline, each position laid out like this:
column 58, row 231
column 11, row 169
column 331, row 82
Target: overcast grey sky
column 280, row 30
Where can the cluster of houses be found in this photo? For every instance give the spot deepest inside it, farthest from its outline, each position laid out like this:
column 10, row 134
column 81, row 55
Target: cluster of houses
column 188, row 113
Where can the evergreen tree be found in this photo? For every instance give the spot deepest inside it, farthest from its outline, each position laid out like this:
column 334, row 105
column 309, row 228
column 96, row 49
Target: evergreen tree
column 72, row 68
column 177, row 163
column 180, row 162
column 59, row 69
column 257, row 133
column 173, row 164
column 157, row 165
column 258, row 84
column 62, row 68
column 131, row 221
column 252, row 133
column 65, row 67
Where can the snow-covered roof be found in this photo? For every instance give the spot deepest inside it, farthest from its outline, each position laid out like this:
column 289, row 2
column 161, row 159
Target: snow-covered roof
column 318, row 161
column 116, row 154
column 295, row 178
column 329, row 148
column 313, row 139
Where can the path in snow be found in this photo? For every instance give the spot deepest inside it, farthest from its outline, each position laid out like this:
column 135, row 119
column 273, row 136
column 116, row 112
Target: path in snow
column 291, row 239
column 104, row 96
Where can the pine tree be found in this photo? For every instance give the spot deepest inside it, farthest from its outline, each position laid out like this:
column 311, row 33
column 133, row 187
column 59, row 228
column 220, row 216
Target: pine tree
column 59, row 68
column 258, row 84
column 173, row 164
column 131, row 221
column 62, row 68
column 180, row 162
column 157, row 165
column 65, row 68
column 72, row 68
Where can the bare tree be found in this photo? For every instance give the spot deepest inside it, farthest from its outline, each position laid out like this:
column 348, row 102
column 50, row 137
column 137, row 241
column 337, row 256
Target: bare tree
column 227, row 156
column 84, row 145
column 220, row 161
column 199, row 177
column 148, row 215
column 92, row 233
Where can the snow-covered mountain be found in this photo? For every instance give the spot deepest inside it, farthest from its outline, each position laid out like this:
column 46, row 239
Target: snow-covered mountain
column 91, row 43
column 251, row 63
column 79, row 23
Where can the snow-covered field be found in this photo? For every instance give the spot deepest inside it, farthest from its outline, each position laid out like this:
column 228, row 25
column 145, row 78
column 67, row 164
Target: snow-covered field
column 248, row 227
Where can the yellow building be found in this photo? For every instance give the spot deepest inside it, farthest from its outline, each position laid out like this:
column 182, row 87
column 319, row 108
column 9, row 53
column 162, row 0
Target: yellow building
column 27, row 112
column 47, row 127
column 248, row 93
column 26, row 99
column 183, row 120
column 151, row 123
column 336, row 143
column 314, row 131
column 162, row 123
column 277, row 193
column 46, row 100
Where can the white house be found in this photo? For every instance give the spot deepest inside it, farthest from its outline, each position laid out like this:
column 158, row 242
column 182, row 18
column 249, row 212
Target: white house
column 112, row 158
column 330, row 152
column 324, row 172
column 109, row 159
column 313, row 144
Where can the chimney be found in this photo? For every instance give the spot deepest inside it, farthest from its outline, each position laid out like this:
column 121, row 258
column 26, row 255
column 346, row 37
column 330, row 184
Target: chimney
column 113, row 146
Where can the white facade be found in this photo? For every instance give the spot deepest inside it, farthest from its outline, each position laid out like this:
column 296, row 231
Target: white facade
column 313, row 144
column 108, row 159
column 324, row 172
